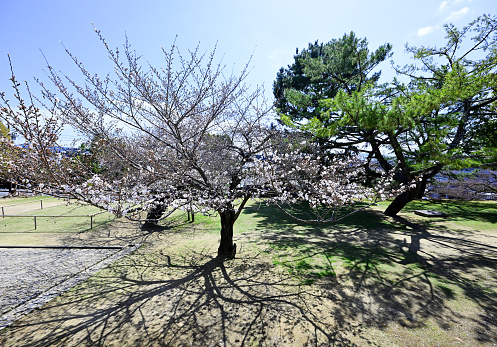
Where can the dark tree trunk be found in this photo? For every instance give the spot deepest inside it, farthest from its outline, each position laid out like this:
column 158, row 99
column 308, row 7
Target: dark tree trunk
column 191, row 217
column 155, row 213
column 227, row 249
column 403, row 199
column 400, row 201
column 421, row 188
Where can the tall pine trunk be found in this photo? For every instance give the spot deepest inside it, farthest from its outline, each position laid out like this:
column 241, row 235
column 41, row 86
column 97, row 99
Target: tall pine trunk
column 400, row 201
column 404, row 198
column 227, row 249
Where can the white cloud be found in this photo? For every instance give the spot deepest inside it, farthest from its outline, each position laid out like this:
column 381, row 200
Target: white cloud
column 426, row 30
column 446, row 4
column 443, row 6
column 454, row 15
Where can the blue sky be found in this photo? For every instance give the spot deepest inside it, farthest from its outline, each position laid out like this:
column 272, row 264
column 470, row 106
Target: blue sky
column 271, row 30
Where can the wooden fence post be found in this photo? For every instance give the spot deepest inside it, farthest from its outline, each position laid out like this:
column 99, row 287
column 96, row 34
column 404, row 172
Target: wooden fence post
column 35, row 222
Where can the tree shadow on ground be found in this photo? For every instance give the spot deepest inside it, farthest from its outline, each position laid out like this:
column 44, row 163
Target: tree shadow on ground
column 399, row 271
column 199, row 301
column 124, row 232
column 394, row 269
column 458, row 209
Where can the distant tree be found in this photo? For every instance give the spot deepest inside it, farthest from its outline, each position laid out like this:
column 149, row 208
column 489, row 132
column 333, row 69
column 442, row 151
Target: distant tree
column 182, row 136
column 440, row 118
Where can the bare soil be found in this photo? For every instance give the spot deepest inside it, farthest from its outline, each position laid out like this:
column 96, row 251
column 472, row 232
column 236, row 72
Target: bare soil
column 413, row 285
column 17, row 207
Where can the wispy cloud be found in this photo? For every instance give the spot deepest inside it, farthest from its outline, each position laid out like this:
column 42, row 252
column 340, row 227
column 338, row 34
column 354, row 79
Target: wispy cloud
column 454, row 15
column 447, row 4
column 426, row 30
column 443, row 6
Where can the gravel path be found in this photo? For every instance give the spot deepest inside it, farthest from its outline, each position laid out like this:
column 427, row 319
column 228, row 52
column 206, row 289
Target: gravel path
column 29, row 277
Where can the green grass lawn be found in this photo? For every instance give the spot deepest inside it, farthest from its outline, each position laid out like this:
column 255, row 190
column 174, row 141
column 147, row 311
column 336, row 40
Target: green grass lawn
column 312, row 250
column 472, row 214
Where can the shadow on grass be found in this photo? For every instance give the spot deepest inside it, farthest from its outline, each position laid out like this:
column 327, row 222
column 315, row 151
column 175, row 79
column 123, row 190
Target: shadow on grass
column 460, row 210
column 205, row 301
column 124, row 232
column 396, row 269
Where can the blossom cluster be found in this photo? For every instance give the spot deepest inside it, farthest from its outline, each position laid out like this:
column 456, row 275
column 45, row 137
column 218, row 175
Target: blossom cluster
column 165, row 139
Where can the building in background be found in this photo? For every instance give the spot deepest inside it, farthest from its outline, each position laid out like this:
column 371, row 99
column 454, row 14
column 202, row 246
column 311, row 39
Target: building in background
column 468, row 184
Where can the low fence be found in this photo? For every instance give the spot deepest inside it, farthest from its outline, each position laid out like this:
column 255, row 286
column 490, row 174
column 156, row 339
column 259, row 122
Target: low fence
column 21, row 203
column 52, row 216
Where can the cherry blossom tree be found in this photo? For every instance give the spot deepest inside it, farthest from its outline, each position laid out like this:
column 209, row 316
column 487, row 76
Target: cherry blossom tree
column 187, row 135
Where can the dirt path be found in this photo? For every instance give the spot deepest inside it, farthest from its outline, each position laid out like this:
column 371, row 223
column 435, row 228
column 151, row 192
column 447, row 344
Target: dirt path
column 12, row 209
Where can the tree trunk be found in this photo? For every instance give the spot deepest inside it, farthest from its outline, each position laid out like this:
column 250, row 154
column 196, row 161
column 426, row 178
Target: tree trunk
column 421, row 188
column 227, row 249
column 403, row 199
column 399, row 202
column 155, row 213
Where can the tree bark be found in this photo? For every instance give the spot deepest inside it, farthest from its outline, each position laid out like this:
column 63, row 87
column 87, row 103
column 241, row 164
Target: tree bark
column 400, row 201
column 403, row 199
column 155, row 213
column 227, row 249
column 421, row 188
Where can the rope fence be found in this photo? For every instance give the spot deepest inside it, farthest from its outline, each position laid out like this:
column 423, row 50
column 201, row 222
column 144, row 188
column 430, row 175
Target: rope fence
column 53, row 216
column 21, row 203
